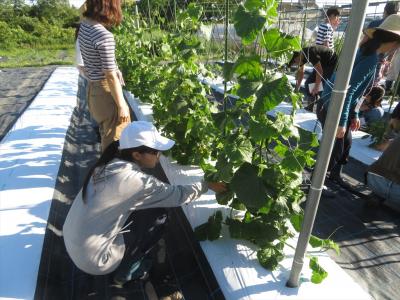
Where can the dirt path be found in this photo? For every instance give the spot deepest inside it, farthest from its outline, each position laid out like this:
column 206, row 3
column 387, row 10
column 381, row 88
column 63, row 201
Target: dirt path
column 18, row 87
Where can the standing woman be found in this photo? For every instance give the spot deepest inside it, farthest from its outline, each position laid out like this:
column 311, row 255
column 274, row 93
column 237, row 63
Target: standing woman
column 382, row 40
column 105, row 98
column 119, row 215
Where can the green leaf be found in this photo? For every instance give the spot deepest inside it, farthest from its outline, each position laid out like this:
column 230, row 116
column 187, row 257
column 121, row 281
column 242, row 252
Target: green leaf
column 248, row 24
column 269, row 257
column 194, row 11
column 253, row 229
column 246, row 88
column 281, row 149
column 236, row 204
column 271, row 94
column 318, row 273
column 249, row 67
column 210, row 230
column 225, row 169
column 260, row 131
column 296, row 221
column 294, row 160
column 224, row 197
column 279, row 44
column 228, row 70
column 249, row 187
column 326, row 243
column 307, row 140
column 240, row 151
column 253, row 4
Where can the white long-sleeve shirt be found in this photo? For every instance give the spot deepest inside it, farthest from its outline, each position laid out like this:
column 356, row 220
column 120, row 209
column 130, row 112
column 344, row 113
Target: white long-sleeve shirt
column 92, row 230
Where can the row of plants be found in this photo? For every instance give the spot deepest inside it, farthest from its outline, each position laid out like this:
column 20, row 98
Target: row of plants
column 48, row 22
column 261, row 160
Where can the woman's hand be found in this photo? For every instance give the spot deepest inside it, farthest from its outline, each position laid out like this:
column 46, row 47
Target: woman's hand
column 120, row 78
column 315, row 90
column 123, row 113
column 340, row 132
column 218, row 187
column 355, row 124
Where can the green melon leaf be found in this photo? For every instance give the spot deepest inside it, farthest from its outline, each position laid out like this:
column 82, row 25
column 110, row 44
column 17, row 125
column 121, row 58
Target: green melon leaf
column 248, row 24
column 249, row 187
column 318, row 273
column 271, row 94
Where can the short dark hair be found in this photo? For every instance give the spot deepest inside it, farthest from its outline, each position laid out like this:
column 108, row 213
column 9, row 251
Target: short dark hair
column 295, row 55
column 332, row 11
column 376, row 93
column 391, row 8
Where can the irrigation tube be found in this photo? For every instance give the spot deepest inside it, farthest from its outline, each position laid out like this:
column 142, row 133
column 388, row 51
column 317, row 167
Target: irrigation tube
column 345, row 66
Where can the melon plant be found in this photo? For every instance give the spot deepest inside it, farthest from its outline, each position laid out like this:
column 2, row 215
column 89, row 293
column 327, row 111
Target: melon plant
column 262, row 159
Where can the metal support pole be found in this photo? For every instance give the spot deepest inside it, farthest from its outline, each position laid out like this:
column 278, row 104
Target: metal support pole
column 226, row 49
column 304, row 25
column 346, row 61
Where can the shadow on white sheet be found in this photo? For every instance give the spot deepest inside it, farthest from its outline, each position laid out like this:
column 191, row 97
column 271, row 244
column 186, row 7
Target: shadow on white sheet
column 30, row 156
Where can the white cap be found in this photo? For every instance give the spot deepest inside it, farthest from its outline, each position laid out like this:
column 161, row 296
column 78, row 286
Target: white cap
column 141, row 133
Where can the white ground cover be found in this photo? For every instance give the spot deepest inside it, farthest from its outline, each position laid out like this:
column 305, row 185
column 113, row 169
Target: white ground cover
column 30, row 156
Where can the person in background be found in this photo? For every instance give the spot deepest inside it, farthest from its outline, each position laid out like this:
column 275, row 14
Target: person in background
column 383, row 39
column 325, row 30
column 383, row 176
column 105, row 98
column 393, row 129
column 119, row 215
column 393, row 73
column 323, row 61
column 391, row 8
column 371, row 109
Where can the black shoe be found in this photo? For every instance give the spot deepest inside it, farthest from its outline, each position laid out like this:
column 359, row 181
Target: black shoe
column 342, row 182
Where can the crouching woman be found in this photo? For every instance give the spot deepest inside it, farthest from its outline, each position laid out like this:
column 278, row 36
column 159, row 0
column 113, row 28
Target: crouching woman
column 120, row 215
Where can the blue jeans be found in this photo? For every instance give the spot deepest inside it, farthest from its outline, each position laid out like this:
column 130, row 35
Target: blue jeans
column 388, row 190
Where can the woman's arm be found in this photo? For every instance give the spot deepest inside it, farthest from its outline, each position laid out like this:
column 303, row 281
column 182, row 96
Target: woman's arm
column 116, row 92
column 318, row 78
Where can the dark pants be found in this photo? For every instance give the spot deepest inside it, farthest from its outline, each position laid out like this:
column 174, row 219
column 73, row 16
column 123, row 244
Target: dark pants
column 341, row 149
column 146, row 227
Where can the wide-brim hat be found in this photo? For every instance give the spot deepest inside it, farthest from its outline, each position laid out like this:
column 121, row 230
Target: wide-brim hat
column 141, row 133
column 391, row 24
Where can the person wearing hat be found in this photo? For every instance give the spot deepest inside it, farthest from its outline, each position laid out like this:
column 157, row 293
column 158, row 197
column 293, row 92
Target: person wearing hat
column 391, row 8
column 119, row 215
column 382, row 40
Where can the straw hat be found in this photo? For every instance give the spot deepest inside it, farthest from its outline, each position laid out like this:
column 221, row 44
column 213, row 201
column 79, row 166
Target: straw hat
column 391, row 24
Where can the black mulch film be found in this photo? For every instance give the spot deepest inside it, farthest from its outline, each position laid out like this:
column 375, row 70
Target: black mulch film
column 186, row 269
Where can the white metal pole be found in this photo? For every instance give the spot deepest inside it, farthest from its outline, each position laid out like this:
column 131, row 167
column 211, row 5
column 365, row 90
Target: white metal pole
column 345, row 66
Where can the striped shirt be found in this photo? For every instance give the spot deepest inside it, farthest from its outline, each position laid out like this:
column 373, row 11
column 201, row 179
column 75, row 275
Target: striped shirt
column 325, row 34
column 97, row 47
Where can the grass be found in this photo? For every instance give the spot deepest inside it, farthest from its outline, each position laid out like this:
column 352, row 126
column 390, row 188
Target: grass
column 33, row 57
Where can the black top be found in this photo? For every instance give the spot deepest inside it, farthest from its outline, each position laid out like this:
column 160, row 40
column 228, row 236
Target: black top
column 396, row 112
column 323, row 55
